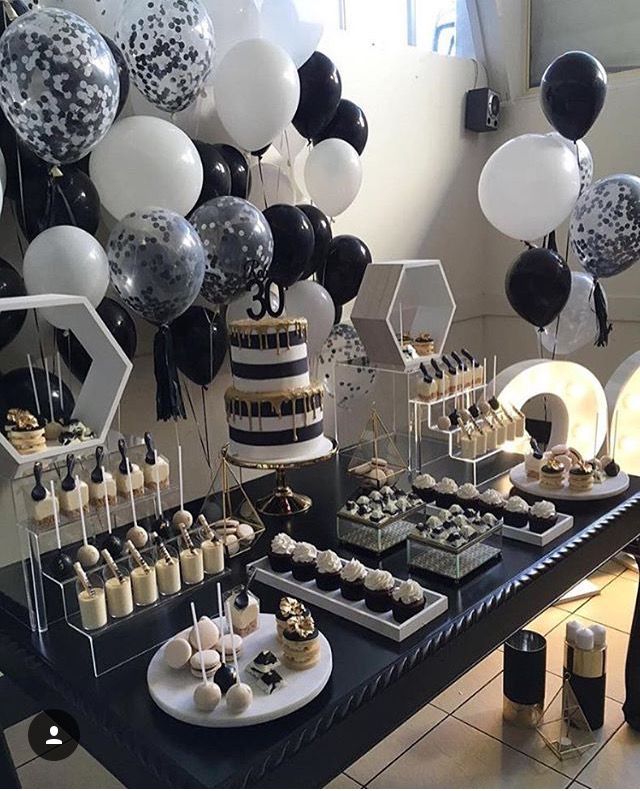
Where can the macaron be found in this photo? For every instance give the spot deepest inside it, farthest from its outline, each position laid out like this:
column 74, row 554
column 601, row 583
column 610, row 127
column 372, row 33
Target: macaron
column 225, row 645
column 177, row 652
column 211, row 663
column 245, row 534
column 209, row 634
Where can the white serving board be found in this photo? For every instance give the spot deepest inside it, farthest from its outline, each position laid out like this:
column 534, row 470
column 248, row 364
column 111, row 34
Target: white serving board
column 564, row 523
column 610, row 487
column 354, row 611
column 172, row 690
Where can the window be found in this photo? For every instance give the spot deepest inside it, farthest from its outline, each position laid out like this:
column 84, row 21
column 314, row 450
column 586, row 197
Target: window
column 436, row 26
column 608, row 30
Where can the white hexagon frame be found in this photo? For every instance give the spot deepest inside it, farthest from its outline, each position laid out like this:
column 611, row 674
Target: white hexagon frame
column 623, row 397
column 103, row 387
column 402, row 297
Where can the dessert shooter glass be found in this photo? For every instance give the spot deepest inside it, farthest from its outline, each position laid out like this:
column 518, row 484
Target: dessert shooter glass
column 118, row 592
column 191, row 560
column 168, row 574
column 93, row 607
column 143, row 582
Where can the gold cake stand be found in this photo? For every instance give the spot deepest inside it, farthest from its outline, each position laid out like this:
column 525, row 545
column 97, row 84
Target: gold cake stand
column 282, row 501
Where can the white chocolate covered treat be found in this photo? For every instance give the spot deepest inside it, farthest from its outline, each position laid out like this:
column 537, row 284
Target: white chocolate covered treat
column 239, row 697
column 177, row 652
column 88, row 556
column 129, row 477
column 182, row 517
column 208, row 631
column 73, row 491
column 207, row 696
column 102, row 484
column 155, row 469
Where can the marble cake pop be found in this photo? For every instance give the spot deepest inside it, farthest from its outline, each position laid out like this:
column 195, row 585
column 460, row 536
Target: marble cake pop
column 110, row 542
column 62, row 564
column 88, row 554
column 136, row 534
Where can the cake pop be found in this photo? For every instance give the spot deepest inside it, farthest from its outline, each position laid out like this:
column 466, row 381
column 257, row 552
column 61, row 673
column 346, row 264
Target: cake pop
column 207, row 694
column 182, row 516
column 239, row 695
column 62, row 564
column 136, row 534
column 111, row 543
column 88, row 554
column 225, row 677
column 162, row 526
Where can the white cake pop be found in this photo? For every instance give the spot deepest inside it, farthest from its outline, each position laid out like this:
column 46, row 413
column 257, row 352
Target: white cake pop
column 181, row 516
column 239, row 695
column 207, row 695
column 138, row 536
column 88, row 556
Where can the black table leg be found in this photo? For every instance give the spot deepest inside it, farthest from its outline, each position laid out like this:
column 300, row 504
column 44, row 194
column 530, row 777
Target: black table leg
column 8, row 775
column 631, row 706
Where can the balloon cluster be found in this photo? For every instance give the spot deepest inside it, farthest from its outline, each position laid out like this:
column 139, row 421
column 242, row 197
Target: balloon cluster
column 535, row 182
column 187, row 215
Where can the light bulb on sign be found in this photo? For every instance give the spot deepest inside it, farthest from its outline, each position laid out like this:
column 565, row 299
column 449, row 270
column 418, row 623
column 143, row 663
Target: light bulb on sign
column 632, row 402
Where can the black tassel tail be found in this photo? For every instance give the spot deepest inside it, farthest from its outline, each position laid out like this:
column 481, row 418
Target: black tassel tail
column 169, row 403
column 604, row 326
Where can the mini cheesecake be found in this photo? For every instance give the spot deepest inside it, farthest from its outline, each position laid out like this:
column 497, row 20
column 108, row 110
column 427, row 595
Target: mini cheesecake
column 581, row 477
column 101, row 486
column 300, row 644
column 552, row 474
column 42, row 504
column 129, row 476
column 72, row 498
column 155, row 469
column 245, row 613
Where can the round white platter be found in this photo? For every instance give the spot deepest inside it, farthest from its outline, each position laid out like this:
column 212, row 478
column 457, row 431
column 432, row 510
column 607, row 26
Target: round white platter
column 172, row 690
column 610, row 487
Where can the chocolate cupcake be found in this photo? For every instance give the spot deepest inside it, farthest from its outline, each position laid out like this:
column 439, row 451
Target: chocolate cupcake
column 303, row 561
column 424, row 487
column 492, row 502
column 516, row 512
column 280, row 552
column 445, row 492
column 328, row 568
column 542, row 516
column 468, row 496
column 378, row 587
column 408, row 600
column 352, row 579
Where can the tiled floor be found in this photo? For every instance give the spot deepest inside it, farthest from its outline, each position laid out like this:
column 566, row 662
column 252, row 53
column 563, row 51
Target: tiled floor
column 459, row 740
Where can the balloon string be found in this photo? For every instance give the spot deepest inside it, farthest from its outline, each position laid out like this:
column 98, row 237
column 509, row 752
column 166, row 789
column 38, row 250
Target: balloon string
column 67, row 206
column 206, row 424
column 264, row 192
column 290, row 162
column 48, row 207
column 197, row 422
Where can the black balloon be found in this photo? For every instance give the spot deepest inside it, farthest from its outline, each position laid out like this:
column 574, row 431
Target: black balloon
column 349, row 123
column 320, row 93
column 538, row 285
column 572, row 93
column 293, row 243
column 120, row 325
column 123, row 72
column 260, row 152
column 347, row 259
column 217, row 174
column 16, row 391
column 11, row 321
column 19, row 159
column 69, row 199
column 239, row 169
column 323, row 236
column 200, row 344
column 338, row 316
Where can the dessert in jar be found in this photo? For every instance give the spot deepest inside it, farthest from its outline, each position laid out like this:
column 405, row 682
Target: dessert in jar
column 274, row 412
column 378, row 587
column 542, row 516
column 168, row 570
column 328, row 570
column 408, row 600
column 117, row 586
column 191, row 559
column 129, row 476
column 102, row 485
column 212, row 547
column 300, row 643
column 155, row 469
column 42, row 503
column 245, row 613
column 73, row 491
column 91, row 600
column 143, row 578
column 281, row 552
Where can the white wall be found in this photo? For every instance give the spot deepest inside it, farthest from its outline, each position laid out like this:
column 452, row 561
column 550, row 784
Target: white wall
column 613, row 144
column 417, row 201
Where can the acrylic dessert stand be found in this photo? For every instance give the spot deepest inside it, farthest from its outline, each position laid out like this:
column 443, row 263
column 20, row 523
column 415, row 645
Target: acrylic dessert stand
column 610, row 487
column 172, row 690
column 282, row 501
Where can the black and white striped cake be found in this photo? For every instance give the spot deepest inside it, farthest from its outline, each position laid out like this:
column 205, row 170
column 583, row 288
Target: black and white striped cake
column 273, row 411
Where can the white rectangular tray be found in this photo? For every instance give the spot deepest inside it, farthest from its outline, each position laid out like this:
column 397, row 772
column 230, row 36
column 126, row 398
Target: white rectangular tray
column 564, row 523
column 355, row 611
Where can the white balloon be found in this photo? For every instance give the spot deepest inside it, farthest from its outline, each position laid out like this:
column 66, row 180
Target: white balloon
column 578, row 325
column 310, row 300
column 233, row 21
column 529, row 186
column 333, row 175
column 100, row 14
column 270, row 184
column 201, row 121
column 146, row 161
column 294, row 25
column 66, row 260
column 257, row 91
column 583, row 156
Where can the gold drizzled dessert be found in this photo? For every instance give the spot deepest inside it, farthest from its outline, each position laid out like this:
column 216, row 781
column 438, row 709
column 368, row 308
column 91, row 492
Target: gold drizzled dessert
column 25, row 432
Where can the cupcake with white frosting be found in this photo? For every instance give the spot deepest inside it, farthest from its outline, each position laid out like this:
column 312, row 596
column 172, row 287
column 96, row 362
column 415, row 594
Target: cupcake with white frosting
column 542, row 516
column 328, row 568
column 516, row 512
column 352, row 579
column 468, row 496
column 303, row 561
column 408, row 600
column 378, row 587
column 445, row 492
column 492, row 502
column 424, row 487
column 280, row 552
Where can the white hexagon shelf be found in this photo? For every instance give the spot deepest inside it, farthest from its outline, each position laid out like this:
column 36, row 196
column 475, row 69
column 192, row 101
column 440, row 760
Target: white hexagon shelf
column 623, row 398
column 102, row 390
column 406, row 299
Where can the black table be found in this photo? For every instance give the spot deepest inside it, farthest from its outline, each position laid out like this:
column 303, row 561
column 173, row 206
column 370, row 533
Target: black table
column 376, row 684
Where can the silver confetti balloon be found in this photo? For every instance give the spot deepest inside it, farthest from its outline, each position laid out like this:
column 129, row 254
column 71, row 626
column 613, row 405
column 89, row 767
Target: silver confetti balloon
column 238, row 244
column 344, row 368
column 169, row 47
column 60, row 85
column 157, row 263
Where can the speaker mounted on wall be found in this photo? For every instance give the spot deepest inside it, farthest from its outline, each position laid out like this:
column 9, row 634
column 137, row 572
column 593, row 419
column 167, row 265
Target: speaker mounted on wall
column 482, row 110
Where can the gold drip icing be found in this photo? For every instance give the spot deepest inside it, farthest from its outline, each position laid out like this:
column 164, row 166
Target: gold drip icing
column 311, row 395
column 244, row 329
